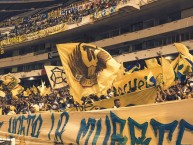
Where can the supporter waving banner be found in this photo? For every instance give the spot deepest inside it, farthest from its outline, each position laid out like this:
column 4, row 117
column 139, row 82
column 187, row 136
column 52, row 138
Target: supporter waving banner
column 89, row 69
column 56, row 76
column 148, row 124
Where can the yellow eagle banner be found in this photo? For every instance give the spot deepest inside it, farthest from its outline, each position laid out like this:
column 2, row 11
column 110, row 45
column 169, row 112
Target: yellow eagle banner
column 89, row 69
column 56, row 76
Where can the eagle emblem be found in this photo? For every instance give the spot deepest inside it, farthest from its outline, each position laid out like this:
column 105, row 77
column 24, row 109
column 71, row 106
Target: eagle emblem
column 86, row 61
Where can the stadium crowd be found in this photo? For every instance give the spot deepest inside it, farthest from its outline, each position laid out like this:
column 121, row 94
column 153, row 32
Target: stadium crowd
column 62, row 14
column 31, row 101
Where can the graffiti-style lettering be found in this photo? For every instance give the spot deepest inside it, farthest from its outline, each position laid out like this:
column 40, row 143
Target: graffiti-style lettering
column 98, row 131
column 134, row 88
column 125, row 87
column 115, row 91
column 52, row 118
column 120, row 91
column 58, row 134
column 152, row 81
column 117, row 137
column 1, row 124
column 140, row 84
column 84, row 129
column 36, row 123
column 21, row 125
column 108, row 130
column 183, row 125
column 157, row 126
column 140, row 140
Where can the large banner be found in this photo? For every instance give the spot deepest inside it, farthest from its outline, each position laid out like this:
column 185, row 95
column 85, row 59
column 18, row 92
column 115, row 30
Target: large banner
column 56, row 76
column 168, row 123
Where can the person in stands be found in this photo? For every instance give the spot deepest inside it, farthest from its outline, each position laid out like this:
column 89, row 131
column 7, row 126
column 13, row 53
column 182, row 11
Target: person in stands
column 117, row 103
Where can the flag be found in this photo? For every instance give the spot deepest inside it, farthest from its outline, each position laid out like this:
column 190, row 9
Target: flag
column 151, row 79
column 144, row 67
column 185, row 61
column 137, row 81
column 27, row 92
column 10, row 81
column 89, row 69
column 133, row 68
column 2, row 94
column 175, row 62
column 152, row 63
column 121, row 72
column 17, row 90
column 168, row 73
column 56, row 76
column 44, row 90
column 34, row 90
column 184, row 67
column 183, row 50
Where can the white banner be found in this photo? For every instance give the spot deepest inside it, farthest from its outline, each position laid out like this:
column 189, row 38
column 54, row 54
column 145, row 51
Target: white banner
column 168, row 123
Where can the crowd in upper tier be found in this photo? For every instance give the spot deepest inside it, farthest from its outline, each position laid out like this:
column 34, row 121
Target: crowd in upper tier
column 62, row 14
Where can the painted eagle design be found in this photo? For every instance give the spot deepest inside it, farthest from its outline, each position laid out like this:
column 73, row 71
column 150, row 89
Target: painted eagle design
column 86, row 61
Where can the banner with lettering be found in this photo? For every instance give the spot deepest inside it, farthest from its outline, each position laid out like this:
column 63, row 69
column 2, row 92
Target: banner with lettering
column 35, row 35
column 155, row 124
column 138, row 81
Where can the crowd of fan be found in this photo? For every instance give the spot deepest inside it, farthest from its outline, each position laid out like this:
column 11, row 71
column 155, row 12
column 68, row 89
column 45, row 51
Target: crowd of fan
column 57, row 101
column 177, row 92
column 34, row 102
column 71, row 14
column 60, row 100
